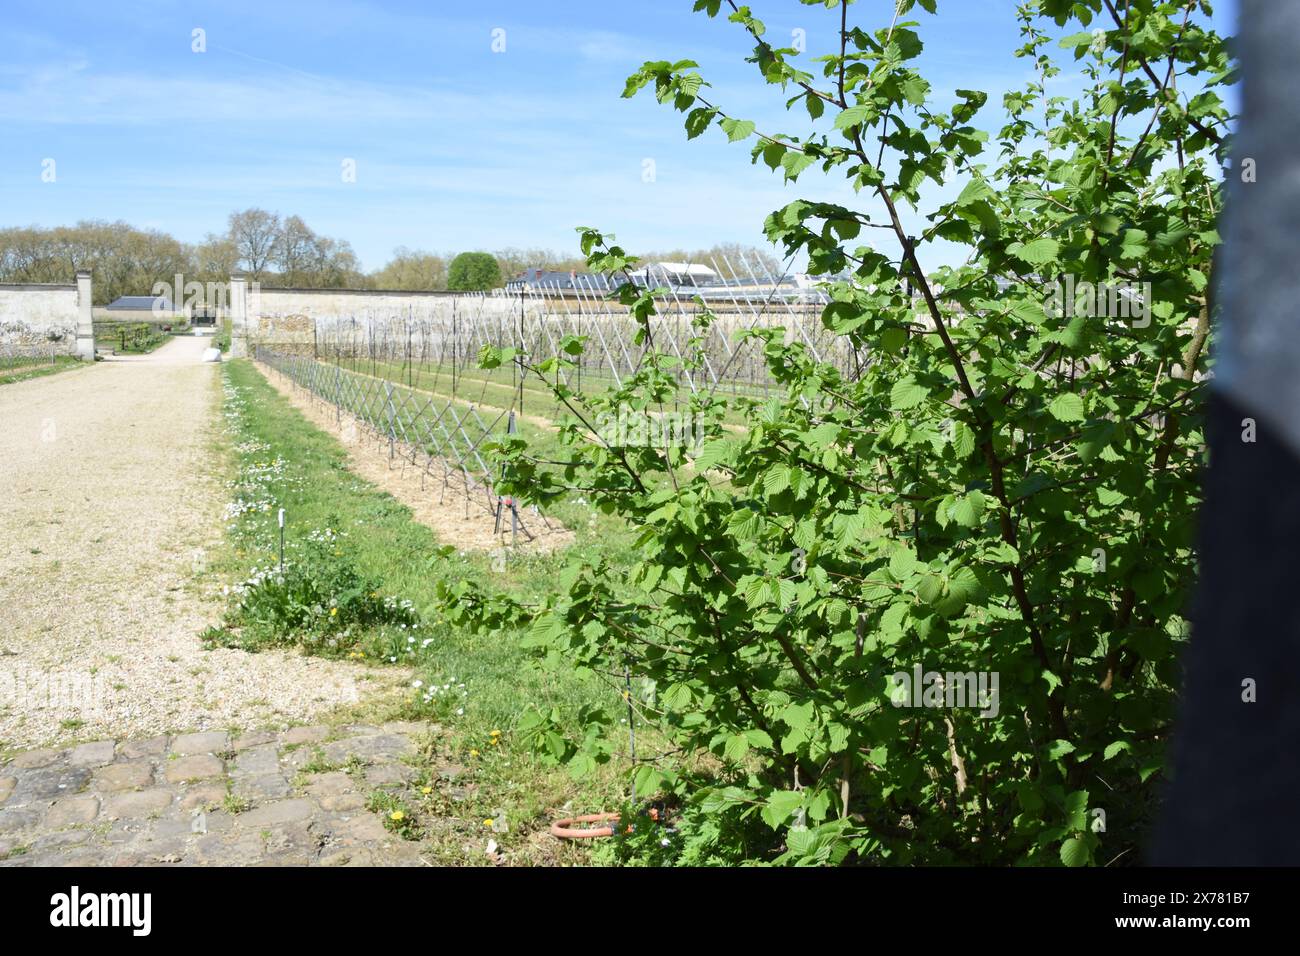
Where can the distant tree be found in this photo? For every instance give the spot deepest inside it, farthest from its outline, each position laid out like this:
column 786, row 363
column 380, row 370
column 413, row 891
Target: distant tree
column 412, row 271
column 214, row 259
column 255, row 233
column 123, row 259
column 294, row 253
column 333, row 265
column 474, row 272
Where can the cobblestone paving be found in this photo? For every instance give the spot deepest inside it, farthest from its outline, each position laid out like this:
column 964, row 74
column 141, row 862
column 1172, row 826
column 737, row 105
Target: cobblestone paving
column 296, row 798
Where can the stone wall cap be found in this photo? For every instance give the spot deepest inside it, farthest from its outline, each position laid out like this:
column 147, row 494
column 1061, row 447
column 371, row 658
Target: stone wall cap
column 435, row 292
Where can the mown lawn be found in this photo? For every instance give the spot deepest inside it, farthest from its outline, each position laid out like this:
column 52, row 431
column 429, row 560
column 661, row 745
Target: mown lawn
column 286, row 462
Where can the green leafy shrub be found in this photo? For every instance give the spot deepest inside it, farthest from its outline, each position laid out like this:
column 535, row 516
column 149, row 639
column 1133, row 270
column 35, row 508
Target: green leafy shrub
column 998, row 497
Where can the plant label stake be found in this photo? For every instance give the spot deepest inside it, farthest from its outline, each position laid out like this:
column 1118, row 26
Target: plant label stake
column 631, row 725
column 281, row 520
column 514, row 511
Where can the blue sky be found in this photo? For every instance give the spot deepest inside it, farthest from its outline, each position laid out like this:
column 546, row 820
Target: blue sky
column 456, row 146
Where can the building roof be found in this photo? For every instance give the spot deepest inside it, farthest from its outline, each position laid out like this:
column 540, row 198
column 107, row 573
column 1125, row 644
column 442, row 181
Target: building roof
column 142, row 303
column 547, row 278
column 683, row 268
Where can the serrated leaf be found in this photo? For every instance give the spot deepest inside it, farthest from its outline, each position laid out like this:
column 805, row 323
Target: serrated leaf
column 676, row 697
column 713, row 453
column 776, row 479
column 737, row 129
column 736, row 747
column 907, row 393
column 1074, row 852
column 976, row 190
column 1115, row 748
column 1067, row 407
column 853, row 116
column 780, row 805
column 969, row 509
column 1037, row 252
column 963, row 440
column 1058, row 749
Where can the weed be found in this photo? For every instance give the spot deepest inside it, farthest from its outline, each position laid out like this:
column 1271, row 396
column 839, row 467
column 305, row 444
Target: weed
column 396, row 815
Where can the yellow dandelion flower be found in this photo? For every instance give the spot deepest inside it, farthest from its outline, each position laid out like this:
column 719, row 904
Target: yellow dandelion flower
column 496, row 733
column 426, row 790
column 473, row 753
column 397, row 815
column 488, row 822
column 334, row 612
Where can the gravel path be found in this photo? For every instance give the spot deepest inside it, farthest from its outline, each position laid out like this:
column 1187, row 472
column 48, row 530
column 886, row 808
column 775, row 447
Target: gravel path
column 109, row 507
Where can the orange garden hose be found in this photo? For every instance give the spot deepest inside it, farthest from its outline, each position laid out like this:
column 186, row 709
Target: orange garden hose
column 571, row 828
column 568, row 829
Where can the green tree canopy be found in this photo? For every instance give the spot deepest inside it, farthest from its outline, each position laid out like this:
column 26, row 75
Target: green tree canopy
column 473, row 272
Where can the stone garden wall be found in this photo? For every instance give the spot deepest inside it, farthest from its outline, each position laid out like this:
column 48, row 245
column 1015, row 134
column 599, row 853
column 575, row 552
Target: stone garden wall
column 40, row 320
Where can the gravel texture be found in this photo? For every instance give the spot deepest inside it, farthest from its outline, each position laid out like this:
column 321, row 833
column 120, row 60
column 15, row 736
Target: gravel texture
column 111, row 505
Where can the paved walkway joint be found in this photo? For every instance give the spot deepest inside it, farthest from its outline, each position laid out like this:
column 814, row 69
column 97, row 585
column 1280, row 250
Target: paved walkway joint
column 295, row 798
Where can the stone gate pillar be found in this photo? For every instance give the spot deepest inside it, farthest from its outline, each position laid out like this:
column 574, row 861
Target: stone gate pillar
column 85, row 319
column 239, row 316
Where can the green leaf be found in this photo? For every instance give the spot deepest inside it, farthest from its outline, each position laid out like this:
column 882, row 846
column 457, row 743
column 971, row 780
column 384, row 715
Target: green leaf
column 1115, row 748
column 757, row 592
column 737, row 129
column 736, row 747
column 1037, row 253
column 780, row 805
column 1076, row 810
column 1074, row 852
column 1076, row 40
column 713, row 453
column 977, row 189
column 794, row 163
column 1058, row 749
column 907, row 393
column 969, row 509
column 676, row 697
column 581, row 765
column 963, row 439
column 853, row 116
column 1067, row 407
column 903, row 563
column 776, row 479
column 893, row 339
